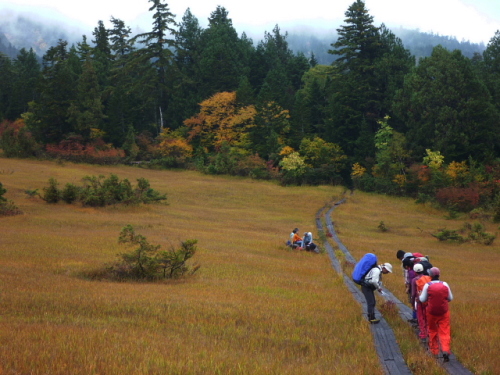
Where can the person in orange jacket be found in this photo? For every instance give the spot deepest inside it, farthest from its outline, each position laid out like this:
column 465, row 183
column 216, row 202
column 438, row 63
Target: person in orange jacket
column 297, row 240
column 437, row 294
column 418, row 284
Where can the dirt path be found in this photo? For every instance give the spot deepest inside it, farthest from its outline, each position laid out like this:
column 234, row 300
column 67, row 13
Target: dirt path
column 385, row 342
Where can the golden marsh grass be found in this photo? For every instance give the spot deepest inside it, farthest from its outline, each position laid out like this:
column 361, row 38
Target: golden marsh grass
column 471, row 269
column 254, row 307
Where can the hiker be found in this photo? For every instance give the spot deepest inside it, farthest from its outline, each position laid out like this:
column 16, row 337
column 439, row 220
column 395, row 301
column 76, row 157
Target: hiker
column 308, row 238
column 417, row 285
column 290, row 241
column 408, row 263
column 296, row 240
column 402, row 255
column 309, row 245
column 372, row 282
column 437, row 294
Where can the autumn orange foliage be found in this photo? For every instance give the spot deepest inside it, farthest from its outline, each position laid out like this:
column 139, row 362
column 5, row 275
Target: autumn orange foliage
column 220, row 120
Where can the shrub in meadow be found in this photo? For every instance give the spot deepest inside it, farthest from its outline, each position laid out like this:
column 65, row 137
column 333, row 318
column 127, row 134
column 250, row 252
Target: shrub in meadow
column 382, row 227
column 7, row 207
column 147, row 262
column 473, row 233
column 99, row 191
column 51, row 193
column 70, row 193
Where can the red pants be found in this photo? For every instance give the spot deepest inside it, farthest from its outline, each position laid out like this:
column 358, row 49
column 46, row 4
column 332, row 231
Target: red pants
column 439, row 332
column 422, row 320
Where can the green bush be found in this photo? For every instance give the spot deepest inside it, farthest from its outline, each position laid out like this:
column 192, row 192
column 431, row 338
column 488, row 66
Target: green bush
column 473, row 233
column 7, row 207
column 70, row 193
column 99, row 191
column 382, row 227
column 147, row 262
column 51, row 193
column 449, row 235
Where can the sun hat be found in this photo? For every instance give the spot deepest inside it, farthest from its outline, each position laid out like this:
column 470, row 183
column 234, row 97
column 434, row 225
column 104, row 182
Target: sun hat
column 418, row 268
column 387, row 266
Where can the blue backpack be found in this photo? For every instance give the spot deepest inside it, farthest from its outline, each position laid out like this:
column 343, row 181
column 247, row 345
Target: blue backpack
column 361, row 269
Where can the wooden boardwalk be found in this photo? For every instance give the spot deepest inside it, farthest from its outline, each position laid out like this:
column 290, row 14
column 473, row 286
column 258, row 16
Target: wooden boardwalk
column 385, row 342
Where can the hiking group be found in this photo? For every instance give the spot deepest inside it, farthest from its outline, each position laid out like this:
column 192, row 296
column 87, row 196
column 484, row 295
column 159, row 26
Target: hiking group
column 429, row 298
column 305, row 243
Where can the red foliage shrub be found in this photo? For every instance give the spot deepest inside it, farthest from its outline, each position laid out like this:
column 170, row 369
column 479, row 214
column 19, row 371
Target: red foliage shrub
column 461, row 199
column 97, row 152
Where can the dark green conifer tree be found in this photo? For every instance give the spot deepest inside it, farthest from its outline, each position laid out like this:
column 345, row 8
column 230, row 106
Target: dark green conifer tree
column 49, row 113
column 122, row 100
column 27, row 74
column 447, row 108
column 86, row 111
column 354, row 97
column 6, row 86
column 187, row 94
column 222, row 60
column 154, row 62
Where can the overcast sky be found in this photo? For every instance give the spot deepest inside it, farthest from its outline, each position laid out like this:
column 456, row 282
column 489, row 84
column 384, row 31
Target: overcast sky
column 473, row 20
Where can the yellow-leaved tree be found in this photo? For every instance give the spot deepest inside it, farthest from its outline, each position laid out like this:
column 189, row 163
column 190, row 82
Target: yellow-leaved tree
column 173, row 145
column 220, row 121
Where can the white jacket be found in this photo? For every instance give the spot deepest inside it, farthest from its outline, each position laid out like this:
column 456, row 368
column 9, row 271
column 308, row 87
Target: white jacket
column 374, row 277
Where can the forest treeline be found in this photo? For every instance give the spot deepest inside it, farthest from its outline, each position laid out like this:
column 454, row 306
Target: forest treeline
column 185, row 96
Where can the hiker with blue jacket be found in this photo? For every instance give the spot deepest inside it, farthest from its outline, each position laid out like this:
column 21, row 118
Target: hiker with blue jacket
column 372, row 282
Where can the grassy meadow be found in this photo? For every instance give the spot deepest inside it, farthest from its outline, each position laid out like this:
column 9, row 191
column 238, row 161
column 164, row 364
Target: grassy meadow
column 254, row 307
column 472, row 270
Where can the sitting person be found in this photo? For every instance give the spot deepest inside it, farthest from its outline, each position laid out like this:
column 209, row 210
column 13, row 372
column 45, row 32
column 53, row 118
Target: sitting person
column 309, row 245
column 297, row 240
column 290, row 241
column 308, row 238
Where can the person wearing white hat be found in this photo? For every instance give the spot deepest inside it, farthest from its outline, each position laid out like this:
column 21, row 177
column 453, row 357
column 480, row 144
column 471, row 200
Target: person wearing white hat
column 372, row 282
column 417, row 284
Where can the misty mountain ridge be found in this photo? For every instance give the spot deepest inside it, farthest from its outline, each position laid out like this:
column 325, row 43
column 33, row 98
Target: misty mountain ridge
column 26, row 30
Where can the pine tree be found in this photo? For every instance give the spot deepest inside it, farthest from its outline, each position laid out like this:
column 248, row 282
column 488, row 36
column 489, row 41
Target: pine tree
column 86, row 111
column 391, row 68
column 6, row 86
column 101, row 54
column 447, row 108
column 121, row 102
column 27, row 75
column 187, row 95
column 490, row 68
column 269, row 134
column 222, row 59
column 155, row 59
column 354, row 97
column 48, row 118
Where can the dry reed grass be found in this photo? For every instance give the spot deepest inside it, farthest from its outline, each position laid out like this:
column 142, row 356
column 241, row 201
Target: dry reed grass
column 470, row 269
column 253, row 308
